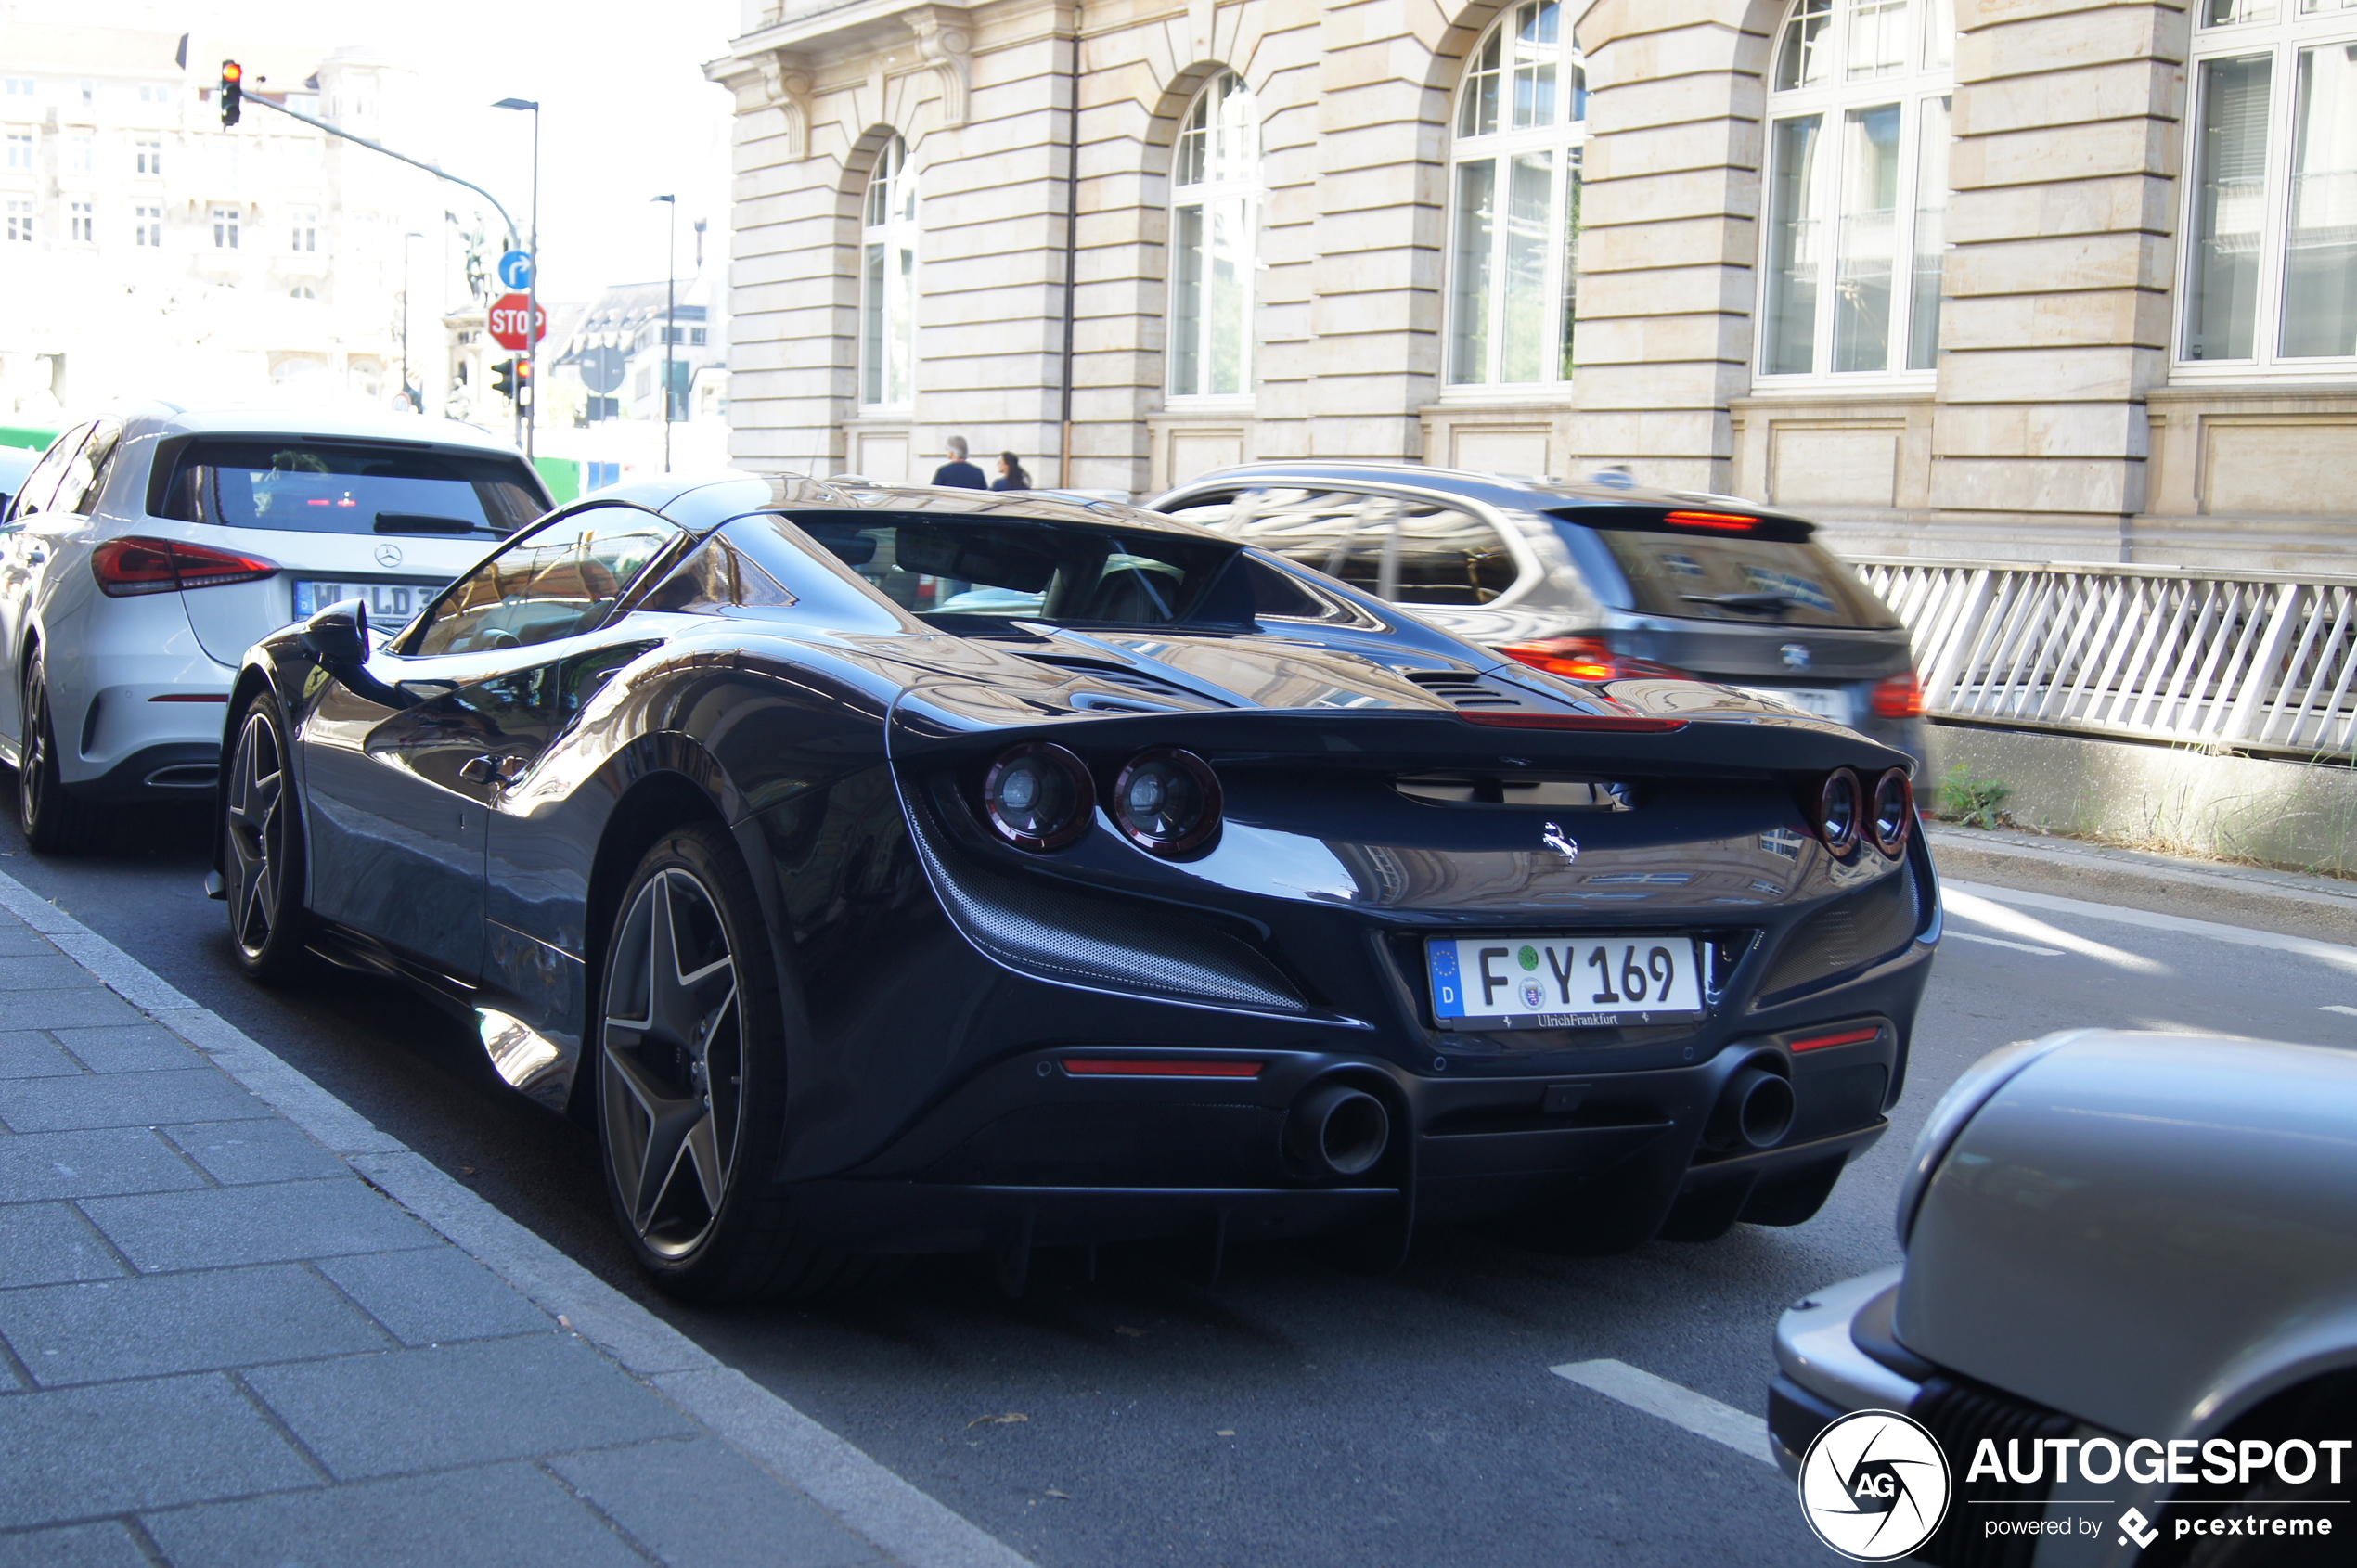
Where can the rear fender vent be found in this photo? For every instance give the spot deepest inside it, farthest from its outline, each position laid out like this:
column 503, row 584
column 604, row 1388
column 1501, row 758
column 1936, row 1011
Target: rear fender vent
column 1136, row 680
column 1519, row 790
column 1482, row 694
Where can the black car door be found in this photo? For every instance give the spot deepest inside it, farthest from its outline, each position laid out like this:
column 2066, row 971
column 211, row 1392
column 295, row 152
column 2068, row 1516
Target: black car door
column 401, row 765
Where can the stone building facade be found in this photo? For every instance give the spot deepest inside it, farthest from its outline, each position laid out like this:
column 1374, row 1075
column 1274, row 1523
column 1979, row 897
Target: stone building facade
column 2023, row 279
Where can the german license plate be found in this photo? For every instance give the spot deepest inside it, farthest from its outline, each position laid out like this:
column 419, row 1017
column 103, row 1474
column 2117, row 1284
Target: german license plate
column 389, row 603
column 1559, row 982
column 1815, row 701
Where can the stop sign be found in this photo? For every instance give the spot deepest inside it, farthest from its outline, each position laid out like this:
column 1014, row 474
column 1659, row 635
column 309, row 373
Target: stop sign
column 509, row 314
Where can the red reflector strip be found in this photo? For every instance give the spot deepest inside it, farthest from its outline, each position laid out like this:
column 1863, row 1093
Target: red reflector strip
column 191, row 697
column 1109, row 1067
column 1628, row 723
column 1726, row 522
column 1846, row 1037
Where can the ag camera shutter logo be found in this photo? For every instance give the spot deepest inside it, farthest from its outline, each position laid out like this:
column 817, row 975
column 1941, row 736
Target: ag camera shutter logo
column 1873, row 1486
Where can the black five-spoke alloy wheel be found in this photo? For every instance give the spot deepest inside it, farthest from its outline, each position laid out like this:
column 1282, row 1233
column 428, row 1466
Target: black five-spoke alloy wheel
column 261, row 844
column 691, row 1081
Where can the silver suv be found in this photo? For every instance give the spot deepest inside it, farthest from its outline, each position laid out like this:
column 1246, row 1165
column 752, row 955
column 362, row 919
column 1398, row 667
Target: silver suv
column 1593, row 582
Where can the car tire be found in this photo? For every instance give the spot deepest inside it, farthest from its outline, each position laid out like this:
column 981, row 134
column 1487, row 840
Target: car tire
column 54, row 820
column 262, row 858
column 691, row 1083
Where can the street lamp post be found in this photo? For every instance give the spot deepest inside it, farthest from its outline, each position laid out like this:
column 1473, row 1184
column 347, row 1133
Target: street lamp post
column 416, row 403
column 532, row 287
column 670, row 309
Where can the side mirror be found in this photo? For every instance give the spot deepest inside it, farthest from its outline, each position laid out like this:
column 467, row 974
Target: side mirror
column 338, row 636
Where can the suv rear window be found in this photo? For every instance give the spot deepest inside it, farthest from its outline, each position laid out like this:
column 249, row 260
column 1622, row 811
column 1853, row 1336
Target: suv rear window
column 1765, row 578
column 347, row 487
column 1406, row 549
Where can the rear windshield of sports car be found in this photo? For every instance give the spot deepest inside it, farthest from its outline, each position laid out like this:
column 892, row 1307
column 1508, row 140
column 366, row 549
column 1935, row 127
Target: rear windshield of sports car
column 347, row 487
column 1023, row 569
column 1752, row 578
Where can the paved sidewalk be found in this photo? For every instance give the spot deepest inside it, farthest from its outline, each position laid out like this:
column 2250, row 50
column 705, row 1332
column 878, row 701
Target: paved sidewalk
column 220, row 1344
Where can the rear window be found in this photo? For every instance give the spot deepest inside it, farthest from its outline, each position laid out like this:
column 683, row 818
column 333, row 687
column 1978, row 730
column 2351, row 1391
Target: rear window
column 1002, row 569
column 339, row 488
column 1754, row 579
column 1405, row 550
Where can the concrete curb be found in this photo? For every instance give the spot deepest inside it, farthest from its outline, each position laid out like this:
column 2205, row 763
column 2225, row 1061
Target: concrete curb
column 904, row 1521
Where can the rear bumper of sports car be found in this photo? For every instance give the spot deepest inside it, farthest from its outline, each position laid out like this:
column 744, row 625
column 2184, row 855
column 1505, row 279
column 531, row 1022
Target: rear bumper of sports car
column 1032, row 1152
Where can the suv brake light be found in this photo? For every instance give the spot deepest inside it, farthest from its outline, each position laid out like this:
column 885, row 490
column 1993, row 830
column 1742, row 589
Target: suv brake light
column 126, row 567
column 1587, row 659
column 1898, row 697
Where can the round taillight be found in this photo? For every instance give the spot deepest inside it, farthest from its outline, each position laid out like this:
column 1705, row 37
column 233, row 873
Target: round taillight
column 1039, row 797
column 1894, row 813
column 1841, row 806
column 1168, row 800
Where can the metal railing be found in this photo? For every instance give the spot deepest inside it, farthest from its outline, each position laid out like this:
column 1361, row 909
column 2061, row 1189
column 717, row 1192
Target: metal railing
column 2258, row 661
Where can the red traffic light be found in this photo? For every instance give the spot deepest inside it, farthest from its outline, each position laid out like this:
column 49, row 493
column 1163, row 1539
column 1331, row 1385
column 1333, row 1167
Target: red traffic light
column 232, row 92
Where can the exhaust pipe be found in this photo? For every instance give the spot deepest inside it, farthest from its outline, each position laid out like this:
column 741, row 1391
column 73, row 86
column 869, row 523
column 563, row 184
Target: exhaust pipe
column 1756, row 1111
column 1336, row 1130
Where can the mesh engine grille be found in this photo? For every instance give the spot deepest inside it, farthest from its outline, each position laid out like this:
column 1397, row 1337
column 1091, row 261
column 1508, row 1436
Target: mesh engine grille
column 1960, row 1414
column 1093, row 941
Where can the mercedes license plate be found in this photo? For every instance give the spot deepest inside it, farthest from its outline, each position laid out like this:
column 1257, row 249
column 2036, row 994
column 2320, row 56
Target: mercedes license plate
column 1559, row 982
column 1818, row 702
column 389, row 603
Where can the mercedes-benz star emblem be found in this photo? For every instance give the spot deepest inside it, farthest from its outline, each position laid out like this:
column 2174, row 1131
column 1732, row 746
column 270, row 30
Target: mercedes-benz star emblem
column 388, row 556
column 1795, row 654
column 1554, row 839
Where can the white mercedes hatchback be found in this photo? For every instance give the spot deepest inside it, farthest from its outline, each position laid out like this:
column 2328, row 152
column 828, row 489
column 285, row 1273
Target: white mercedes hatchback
column 150, row 548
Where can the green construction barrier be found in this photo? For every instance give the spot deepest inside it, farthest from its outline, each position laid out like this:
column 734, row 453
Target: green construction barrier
column 561, row 475
column 32, row 436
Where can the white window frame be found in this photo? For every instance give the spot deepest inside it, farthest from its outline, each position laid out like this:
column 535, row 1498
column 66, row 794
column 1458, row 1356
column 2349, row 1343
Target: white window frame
column 1214, row 174
column 888, row 235
column 148, row 158
column 82, row 222
column 23, row 152
column 19, row 229
column 1474, row 140
column 1922, row 82
column 227, row 218
column 2281, row 36
column 146, row 226
column 303, row 229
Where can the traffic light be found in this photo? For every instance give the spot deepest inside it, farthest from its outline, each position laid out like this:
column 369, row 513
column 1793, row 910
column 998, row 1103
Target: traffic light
column 523, row 382
column 503, row 378
column 232, row 92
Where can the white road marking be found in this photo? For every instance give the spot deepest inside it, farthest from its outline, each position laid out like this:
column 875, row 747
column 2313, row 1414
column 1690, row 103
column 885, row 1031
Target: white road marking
column 1969, row 906
column 2337, row 954
column 1674, row 1403
column 2335, row 1007
column 2001, row 942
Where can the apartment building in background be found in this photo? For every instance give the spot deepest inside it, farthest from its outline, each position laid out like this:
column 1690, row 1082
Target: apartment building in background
column 144, row 249
column 2064, row 280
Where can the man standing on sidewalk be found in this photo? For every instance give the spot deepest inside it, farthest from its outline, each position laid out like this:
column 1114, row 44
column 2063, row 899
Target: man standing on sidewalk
column 958, row 473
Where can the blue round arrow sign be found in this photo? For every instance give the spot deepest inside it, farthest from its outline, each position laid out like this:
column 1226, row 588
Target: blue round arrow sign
column 515, row 269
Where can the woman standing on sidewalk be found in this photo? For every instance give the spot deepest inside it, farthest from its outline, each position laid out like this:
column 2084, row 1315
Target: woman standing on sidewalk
column 1011, row 474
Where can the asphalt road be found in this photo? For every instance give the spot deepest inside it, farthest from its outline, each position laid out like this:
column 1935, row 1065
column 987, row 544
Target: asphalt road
column 1290, row 1413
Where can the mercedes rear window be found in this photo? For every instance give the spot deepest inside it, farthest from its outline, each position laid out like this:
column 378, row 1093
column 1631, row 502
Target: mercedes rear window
column 1770, row 574
column 348, row 487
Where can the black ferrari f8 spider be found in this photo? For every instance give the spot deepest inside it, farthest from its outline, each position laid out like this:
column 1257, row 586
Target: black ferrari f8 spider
column 900, row 870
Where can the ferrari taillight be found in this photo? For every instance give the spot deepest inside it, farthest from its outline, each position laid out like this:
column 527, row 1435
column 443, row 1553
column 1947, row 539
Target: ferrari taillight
column 1039, row 797
column 1893, row 817
column 130, row 566
column 1587, row 659
column 1840, row 811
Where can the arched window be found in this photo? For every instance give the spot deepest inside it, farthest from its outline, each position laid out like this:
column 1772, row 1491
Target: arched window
column 888, row 282
column 1522, row 119
column 2270, row 225
column 1857, row 138
column 1215, row 230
